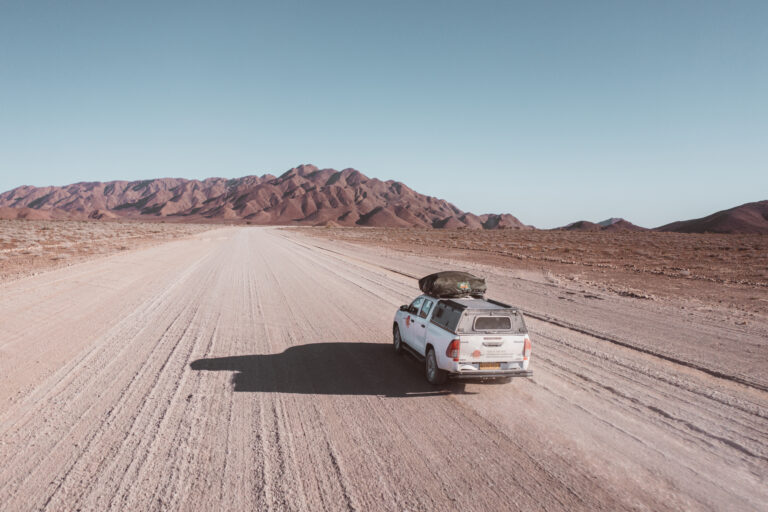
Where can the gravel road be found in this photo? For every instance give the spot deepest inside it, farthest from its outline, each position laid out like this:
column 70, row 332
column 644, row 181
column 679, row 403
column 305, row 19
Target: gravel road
column 251, row 369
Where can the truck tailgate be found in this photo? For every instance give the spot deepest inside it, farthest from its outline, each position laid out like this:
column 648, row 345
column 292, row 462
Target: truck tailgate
column 491, row 348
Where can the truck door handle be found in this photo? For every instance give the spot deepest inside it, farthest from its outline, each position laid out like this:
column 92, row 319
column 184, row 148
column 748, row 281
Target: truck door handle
column 423, row 326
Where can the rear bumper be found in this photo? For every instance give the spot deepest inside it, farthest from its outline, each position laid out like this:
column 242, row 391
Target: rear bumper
column 502, row 374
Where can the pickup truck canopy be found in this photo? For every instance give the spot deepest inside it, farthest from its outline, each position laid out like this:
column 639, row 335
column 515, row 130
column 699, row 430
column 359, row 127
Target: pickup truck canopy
column 461, row 315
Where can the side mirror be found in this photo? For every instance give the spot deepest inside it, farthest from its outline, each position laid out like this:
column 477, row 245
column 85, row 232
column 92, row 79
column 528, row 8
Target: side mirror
column 404, row 307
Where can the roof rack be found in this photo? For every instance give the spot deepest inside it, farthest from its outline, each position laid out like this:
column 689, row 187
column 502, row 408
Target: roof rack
column 463, row 306
column 457, row 305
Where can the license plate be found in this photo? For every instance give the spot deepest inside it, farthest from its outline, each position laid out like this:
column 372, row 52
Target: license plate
column 490, row 366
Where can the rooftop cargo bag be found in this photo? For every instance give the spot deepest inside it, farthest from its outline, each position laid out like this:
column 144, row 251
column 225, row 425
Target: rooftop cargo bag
column 452, row 285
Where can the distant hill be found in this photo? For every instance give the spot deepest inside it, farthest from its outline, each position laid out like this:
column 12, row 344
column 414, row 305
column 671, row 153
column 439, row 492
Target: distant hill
column 620, row 225
column 304, row 195
column 747, row 218
column 581, row 225
column 612, row 224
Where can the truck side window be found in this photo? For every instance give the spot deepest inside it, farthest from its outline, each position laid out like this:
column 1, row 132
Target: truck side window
column 415, row 305
column 425, row 308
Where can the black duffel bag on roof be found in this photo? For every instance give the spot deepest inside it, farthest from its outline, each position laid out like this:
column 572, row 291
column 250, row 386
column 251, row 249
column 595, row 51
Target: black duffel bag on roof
column 452, row 284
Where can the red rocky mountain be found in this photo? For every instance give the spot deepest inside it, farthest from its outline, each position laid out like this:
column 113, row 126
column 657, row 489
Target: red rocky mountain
column 747, row 218
column 303, row 195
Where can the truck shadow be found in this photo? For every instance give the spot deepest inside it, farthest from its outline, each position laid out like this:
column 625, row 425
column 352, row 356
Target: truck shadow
column 329, row 369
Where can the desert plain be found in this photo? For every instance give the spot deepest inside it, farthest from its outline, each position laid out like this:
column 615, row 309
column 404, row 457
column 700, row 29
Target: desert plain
column 28, row 247
column 724, row 270
column 149, row 366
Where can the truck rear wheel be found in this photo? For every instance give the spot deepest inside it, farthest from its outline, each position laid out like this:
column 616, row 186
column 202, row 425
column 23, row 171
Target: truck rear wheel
column 397, row 341
column 435, row 375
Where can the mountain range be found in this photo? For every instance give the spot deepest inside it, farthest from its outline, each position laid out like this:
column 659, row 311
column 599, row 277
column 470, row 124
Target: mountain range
column 304, row 195
column 307, row 195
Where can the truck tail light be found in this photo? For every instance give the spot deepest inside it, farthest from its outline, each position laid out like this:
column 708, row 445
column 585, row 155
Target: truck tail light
column 453, row 349
column 527, row 349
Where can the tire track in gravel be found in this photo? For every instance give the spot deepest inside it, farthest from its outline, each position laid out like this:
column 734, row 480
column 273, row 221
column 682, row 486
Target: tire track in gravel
column 60, row 390
column 137, row 409
column 739, row 420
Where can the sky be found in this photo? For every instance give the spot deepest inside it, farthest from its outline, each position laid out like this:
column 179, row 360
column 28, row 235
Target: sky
column 653, row 111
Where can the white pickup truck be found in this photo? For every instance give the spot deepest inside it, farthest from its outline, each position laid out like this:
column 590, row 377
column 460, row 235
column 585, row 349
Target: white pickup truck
column 464, row 338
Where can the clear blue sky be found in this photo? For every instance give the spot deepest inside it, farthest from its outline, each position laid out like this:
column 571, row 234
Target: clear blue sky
column 552, row 111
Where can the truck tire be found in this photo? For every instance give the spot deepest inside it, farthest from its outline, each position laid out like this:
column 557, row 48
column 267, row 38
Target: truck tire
column 397, row 340
column 435, row 375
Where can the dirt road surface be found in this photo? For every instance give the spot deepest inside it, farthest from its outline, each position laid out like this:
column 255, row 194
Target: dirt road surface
column 251, row 369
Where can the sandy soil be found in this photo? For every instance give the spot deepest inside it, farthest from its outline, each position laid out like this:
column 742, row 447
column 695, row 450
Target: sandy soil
column 31, row 246
column 703, row 269
column 251, row 369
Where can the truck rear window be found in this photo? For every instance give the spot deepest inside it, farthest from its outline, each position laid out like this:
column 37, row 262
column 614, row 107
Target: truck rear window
column 493, row 323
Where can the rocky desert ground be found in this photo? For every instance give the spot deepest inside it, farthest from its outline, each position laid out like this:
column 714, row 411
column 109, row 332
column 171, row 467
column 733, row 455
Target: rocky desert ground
column 251, row 368
column 32, row 246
